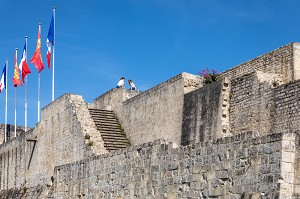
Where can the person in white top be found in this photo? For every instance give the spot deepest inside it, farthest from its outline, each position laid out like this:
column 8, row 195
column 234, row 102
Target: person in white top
column 132, row 85
column 121, row 82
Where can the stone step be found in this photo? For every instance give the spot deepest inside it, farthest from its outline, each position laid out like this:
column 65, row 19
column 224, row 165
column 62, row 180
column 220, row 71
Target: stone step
column 115, row 145
column 115, row 148
column 102, row 113
column 102, row 119
column 108, row 128
column 100, row 110
column 103, row 116
column 107, row 123
column 112, row 134
column 116, row 139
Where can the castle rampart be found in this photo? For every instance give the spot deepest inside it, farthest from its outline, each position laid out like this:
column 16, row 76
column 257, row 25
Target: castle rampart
column 235, row 138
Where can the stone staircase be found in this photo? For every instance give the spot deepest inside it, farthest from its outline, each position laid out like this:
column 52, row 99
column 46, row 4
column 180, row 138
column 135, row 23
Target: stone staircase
column 111, row 131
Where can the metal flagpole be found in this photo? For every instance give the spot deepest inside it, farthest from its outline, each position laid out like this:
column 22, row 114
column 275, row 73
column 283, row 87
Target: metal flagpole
column 26, row 87
column 5, row 130
column 53, row 55
column 16, row 58
column 39, row 80
column 39, row 77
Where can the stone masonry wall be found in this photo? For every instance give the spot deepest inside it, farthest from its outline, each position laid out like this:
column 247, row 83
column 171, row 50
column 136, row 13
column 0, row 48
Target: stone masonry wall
column 296, row 58
column 284, row 60
column 29, row 159
column 244, row 102
column 259, row 106
column 286, row 101
column 201, row 114
column 296, row 166
column 205, row 113
column 10, row 131
column 241, row 166
column 111, row 100
column 153, row 114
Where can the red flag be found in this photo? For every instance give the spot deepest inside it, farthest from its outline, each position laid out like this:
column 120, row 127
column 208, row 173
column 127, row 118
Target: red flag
column 37, row 57
column 16, row 78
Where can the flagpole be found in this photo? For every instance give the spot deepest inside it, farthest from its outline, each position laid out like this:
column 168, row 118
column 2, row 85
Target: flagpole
column 5, row 130
column 26, row 87
column 16, row 58
column 53, row 56
column 39, row 80
column 39, row 77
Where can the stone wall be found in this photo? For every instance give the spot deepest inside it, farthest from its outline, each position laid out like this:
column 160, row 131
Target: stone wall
column 205, row 113
column 29, row 159
column 241, row 166
column 153, row 114
column 296, row 57
column 25, row 192
column 257, row 105
column 11, row 131
column 284, row 60
column 286, row 102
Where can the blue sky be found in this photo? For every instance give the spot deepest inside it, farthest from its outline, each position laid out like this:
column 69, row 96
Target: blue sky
column 148, row 41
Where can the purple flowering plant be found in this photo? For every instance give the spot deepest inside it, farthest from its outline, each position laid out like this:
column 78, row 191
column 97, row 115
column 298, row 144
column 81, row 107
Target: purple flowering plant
column 209, row 76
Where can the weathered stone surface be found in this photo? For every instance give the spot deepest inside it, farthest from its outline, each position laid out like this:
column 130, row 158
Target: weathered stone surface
column 180, row 176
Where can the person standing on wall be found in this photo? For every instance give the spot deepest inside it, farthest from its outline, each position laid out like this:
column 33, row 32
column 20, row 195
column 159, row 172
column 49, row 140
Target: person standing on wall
column 121, row 82
column 132, row 85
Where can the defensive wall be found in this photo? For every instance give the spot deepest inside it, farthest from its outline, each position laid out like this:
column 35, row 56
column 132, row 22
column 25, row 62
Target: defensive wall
column 235, row 138
column 28, row 160
column 240, row 166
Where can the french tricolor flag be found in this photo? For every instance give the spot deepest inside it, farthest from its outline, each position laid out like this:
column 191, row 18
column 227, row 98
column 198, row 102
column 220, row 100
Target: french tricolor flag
column 3, row 79
column 23, row 64
column 50, row 40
